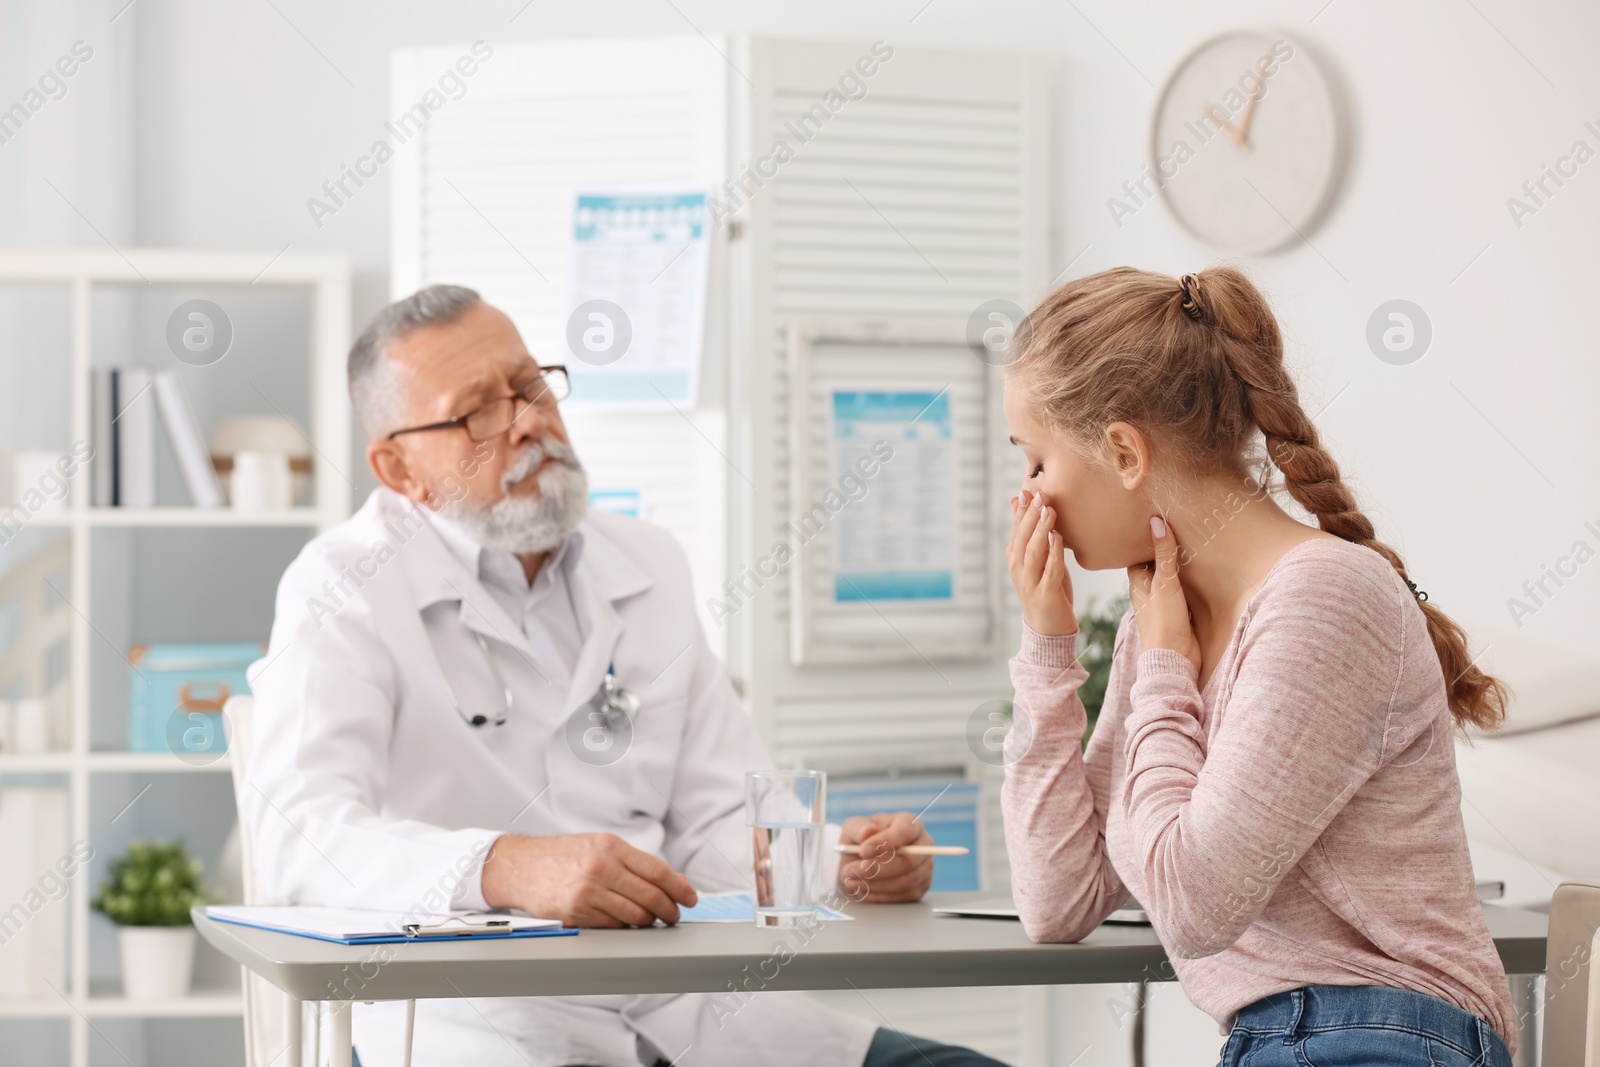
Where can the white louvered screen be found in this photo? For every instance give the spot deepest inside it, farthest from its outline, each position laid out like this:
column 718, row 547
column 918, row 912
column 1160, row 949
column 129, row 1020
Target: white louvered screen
column 914, row 204
column 918, row 202
column 483, row 198
column 900, row 208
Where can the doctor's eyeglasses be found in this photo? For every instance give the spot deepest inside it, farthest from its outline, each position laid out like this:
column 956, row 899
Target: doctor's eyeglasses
column 494, row 418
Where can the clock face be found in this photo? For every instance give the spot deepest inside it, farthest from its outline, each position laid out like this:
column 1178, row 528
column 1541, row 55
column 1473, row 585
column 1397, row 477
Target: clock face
column 1248, row 142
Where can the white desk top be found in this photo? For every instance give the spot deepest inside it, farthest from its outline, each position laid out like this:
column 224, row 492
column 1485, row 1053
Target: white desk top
column 888, row 946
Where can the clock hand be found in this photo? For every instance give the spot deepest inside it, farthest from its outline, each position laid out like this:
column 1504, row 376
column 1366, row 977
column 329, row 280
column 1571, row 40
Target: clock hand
column 1249, row 112
column 1221, row 118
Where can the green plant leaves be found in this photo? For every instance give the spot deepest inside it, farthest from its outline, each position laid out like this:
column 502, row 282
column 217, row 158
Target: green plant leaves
column 154, row 884
column 1097, row 638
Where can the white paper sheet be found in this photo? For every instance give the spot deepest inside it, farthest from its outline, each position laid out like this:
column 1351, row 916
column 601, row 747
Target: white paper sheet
column 633, row 321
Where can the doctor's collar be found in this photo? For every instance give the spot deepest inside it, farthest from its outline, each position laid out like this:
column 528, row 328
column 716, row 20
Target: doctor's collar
column 474, row 556
column 606, row 553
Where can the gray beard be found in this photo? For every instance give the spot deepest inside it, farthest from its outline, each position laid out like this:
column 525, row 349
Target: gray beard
column 523, row 525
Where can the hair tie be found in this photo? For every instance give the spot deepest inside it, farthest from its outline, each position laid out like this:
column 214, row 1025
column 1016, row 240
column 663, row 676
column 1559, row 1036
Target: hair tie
column 1191, row 298
column 1418, row 593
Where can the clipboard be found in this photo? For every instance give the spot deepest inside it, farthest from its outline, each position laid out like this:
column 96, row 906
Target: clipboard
column 349, row 926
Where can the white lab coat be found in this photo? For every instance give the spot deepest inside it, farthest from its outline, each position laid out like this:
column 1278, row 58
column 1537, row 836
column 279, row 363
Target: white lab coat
column 367, row 789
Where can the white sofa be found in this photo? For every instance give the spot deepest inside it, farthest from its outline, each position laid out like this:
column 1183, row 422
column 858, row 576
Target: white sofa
column 1533, row 787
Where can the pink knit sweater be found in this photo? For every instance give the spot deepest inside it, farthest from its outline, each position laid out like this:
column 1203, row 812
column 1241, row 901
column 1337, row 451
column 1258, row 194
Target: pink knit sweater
column 1298, row 823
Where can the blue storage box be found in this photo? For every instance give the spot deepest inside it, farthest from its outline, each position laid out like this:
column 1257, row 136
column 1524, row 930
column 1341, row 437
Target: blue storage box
column 176, row 694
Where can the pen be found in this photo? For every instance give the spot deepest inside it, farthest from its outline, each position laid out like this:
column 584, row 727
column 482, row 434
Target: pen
column 911, row 850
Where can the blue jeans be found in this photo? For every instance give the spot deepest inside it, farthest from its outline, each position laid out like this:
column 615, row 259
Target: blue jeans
column 890, row 1048
column 1355, row 1026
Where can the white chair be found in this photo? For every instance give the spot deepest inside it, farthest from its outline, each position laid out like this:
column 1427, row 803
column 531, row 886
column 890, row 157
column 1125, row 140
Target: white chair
column 275, row 1030
column 1571, row 999
column 273, row 1021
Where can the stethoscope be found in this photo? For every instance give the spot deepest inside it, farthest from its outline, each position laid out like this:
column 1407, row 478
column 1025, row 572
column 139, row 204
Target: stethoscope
column 614, row 704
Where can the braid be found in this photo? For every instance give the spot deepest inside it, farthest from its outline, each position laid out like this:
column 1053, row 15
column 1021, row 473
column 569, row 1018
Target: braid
column 1312, row 478
column 1310, row 474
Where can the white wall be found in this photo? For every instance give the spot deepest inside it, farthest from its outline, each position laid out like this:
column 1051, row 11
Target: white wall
column 243, row 112
column 1476, row 461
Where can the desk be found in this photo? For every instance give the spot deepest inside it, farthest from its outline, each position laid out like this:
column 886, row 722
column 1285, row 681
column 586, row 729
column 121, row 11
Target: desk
column 894, row 946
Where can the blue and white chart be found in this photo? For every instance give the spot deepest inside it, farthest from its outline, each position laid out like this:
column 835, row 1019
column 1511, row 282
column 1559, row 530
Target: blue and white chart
column 898, row 542
column 891, row 500
column 633, row 318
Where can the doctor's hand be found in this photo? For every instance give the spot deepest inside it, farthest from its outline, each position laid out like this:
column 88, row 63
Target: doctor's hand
column 583, row 880
column 880, row 875
column 1037, row 560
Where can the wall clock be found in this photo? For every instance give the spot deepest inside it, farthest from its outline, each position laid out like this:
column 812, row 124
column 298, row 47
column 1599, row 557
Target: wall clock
column 1248, row 141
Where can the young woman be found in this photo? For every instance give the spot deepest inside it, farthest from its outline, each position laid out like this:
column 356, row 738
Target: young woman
column 1272, row 775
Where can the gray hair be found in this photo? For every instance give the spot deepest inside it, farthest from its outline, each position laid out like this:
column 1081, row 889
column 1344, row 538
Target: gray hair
column 376, row 391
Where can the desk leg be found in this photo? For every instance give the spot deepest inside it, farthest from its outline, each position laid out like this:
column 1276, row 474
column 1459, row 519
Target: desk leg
column 341, row 1050
column 1142, row 1006
column 411, row 1024
column 293, row 1032
column 1525, row 1003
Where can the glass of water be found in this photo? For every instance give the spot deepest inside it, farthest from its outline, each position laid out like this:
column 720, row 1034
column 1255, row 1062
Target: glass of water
column 786, row 812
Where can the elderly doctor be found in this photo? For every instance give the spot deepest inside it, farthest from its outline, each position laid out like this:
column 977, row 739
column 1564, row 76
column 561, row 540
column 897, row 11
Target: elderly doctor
column 420, row 719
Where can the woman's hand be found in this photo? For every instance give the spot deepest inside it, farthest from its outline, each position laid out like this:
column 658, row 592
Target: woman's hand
column 1037, row 560
column 1159, row 605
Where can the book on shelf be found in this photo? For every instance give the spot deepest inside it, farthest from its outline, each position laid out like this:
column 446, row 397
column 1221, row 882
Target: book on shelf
column 126, row 404
column 183, row 430
column 102, row 409
column 134, row 427
column 35, row 877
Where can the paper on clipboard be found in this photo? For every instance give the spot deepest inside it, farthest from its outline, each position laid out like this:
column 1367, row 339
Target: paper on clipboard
column 633, row 322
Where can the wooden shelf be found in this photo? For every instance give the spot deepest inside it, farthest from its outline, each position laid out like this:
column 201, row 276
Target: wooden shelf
column 107, row 763
column 178, row 516
column 106, row 1001
column 55, row 1008
column 151, row 763
column 36, row 762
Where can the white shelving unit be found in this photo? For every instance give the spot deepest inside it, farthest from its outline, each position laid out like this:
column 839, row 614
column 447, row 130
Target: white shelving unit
column 326, row 280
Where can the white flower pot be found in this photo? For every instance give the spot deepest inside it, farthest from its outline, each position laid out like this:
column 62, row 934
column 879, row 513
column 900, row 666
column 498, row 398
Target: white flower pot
column 157, row 961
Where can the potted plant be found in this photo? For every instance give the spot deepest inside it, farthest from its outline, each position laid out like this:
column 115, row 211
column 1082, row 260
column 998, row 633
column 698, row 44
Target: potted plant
column 149, row 894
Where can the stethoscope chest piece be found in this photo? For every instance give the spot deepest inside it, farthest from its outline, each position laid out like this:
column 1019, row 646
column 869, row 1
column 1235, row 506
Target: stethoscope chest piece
column 600, row 731
column 617, row 704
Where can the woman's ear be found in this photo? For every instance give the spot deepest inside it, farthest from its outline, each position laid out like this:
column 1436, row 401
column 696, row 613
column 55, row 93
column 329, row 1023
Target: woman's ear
column 1130, row 454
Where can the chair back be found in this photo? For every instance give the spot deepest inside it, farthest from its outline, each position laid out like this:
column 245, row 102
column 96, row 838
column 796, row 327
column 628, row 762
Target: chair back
column 268, row 1022
column 1571, row 997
